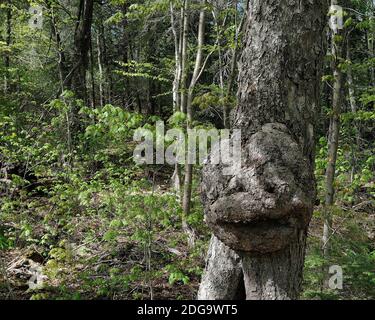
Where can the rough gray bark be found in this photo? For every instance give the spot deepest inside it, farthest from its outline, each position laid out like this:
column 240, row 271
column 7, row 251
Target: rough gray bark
column 261, row 207
column 262, row 212
column 223, row 279
column 278, row 275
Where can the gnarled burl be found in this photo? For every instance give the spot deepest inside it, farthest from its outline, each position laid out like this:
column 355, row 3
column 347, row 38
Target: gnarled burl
column 259, row 215
column 261, row 207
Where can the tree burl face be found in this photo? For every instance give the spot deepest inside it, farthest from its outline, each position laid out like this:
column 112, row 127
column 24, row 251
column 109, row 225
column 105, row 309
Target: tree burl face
column 265, row 205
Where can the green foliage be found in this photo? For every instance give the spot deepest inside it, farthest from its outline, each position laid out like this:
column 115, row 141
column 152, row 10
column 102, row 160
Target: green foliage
column 5, row 242
column 106, row 228
column 176, row 275
column 112, row 126
column 142, row 70
column 350, row 249
column 177, row 120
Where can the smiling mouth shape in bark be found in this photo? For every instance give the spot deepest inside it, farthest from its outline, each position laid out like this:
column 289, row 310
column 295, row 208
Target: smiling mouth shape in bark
column 264, row 206
column 265, row 230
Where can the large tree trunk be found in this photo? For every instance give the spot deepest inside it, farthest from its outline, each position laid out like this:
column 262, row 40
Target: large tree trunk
column 223, row 278
column 261, row 213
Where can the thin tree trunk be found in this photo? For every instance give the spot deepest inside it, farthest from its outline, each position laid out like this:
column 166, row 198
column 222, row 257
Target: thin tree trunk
column 184, row 66
column 232, row 75
column 371, row 40
column 100, row 68
column 82, row 40
column 92, row 77
column 176, row 178
column 186, row 201
column 8, row 43
column 219, row 29
column 353, row 107
column 125, row 54
column 333, row 138
column 351, row 89
column 63, row 71
column 107, row 68
column 177, row 73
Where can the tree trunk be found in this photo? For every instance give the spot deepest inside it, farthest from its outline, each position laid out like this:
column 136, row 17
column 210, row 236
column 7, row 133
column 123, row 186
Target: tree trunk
column 184, row 66
column 219, row 29
column 82, row 40
column 351, row 89
column 233, row 68
column 8, row 42
column 353, row 106
column 186, row 201
column 176, row 178
column 177, row 73
column 100, row 67
column 62, row 67
column 333, row 137
column 92, row 76
column 262, row 211
column 223, row 279
column 107, row 70
column 125, row 54
column 370, row 41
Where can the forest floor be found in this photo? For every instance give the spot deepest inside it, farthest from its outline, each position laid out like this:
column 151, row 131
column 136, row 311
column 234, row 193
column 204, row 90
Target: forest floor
column 106, row 266
column 106, row 269
column 98, row 271
column 89, row 260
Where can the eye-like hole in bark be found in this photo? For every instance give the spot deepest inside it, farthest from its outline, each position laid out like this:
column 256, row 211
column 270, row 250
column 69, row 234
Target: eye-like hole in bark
column 270, row 188
column 240, row 188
